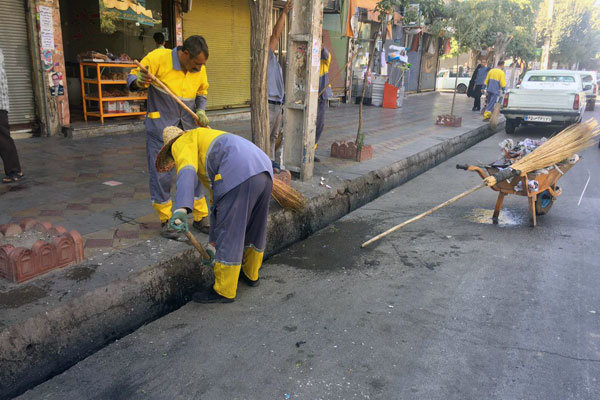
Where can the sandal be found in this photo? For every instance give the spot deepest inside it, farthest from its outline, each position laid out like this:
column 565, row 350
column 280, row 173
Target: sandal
column 13, row 177
column 17, row 176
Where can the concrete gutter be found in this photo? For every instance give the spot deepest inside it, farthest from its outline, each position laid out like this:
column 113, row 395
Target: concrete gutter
column 87, row 306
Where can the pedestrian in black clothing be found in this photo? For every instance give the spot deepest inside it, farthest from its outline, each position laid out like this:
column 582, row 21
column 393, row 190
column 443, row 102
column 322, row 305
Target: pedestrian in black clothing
column 476, row 84
column 8, row 150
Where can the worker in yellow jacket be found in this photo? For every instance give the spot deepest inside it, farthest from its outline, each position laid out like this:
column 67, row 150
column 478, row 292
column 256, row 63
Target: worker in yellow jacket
column 495, row 82
column 325, row 88
column 239, row 177
column 183, row 71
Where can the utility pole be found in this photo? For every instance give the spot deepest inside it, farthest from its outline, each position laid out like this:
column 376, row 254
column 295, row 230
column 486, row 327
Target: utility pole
column 545, row 64
column 302, row 87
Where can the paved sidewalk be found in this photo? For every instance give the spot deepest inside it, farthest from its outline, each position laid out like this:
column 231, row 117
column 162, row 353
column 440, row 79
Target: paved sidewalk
column 66, row 179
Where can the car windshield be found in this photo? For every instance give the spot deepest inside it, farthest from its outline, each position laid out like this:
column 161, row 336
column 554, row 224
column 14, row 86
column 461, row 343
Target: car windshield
column 551, row 78
column 587, row 78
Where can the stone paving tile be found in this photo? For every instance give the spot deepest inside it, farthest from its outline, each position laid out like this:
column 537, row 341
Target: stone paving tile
column 93, row 243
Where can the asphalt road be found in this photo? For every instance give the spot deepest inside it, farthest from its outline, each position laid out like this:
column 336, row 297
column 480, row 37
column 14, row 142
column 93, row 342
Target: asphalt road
column 451, row 307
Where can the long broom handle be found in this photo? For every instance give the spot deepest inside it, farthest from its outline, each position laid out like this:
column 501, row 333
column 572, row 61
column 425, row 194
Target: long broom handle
column 166, row 89
column 195, row 243
column 426, row 213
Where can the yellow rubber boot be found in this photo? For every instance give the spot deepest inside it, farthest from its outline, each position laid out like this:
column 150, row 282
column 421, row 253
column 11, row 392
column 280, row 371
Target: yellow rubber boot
column 487, row 115
column 226, row 279
column 163, row 210
column 252, row 263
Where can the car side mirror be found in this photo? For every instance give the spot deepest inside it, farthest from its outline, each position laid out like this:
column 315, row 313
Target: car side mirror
column 587, row 87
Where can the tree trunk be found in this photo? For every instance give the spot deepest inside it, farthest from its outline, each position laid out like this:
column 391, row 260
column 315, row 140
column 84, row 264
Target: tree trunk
column 455, row 85
column 500, row 46
column 360, row 136
column 260, row 16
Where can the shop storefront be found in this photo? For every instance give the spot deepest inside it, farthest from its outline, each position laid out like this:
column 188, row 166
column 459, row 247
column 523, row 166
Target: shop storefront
column 225, row 24
column 113, row 33
column 17, row 63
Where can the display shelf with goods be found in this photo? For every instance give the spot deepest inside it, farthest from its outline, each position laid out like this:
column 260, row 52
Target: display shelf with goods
column 115, row 100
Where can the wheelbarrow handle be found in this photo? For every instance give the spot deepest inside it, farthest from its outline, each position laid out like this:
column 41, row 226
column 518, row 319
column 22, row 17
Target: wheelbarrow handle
column 462, row 166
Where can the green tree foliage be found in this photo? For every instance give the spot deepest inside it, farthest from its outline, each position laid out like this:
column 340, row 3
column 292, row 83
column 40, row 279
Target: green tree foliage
column 574, row 30
column 495, row 24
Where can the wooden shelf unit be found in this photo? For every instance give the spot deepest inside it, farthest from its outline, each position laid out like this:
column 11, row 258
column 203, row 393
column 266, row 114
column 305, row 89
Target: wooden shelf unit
column 98, row 66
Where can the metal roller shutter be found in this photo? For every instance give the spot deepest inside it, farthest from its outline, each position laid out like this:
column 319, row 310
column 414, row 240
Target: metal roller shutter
column 225, row 24
column 17, row 61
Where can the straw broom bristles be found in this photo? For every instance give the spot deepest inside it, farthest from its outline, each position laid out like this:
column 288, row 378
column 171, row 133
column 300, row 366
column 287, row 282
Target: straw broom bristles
column 287, row 196
column 557, row 149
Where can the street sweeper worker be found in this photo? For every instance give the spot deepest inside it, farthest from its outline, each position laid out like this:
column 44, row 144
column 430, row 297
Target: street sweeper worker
column 183, row 71
column 325, row 88
column 239, row 177
column 494, row 83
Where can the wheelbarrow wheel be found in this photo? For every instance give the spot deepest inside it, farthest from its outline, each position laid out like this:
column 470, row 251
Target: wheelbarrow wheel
column 543, row 203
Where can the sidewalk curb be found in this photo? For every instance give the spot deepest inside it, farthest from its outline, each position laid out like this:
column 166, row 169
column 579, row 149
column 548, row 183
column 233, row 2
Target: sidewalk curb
column 52, row 341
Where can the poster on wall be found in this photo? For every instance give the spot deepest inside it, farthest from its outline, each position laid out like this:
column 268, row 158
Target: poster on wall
column 46, row 24
column 112, row 11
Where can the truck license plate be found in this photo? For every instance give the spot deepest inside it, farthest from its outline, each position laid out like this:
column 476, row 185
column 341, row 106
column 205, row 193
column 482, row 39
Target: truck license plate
column 538, row 118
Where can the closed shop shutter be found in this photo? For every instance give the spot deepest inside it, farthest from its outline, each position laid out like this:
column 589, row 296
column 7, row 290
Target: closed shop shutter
column 17, row 61
column 225, row 24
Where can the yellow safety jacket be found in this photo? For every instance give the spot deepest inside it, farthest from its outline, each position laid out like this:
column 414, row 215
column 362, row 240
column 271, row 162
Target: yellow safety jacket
column 495, row 80
column 220, row 160
column 324, row 74
column 190, row 87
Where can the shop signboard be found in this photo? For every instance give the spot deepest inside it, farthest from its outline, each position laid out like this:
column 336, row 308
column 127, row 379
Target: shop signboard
column 128, row 10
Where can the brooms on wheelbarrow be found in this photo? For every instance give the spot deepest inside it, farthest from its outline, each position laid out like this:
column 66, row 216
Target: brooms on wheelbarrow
column 285, row 195
column 553, row 152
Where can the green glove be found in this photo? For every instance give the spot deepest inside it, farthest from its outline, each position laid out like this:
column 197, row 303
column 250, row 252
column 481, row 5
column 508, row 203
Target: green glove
column 179, row 221
column 210, row 262
column 202, row 118
column 143, row 80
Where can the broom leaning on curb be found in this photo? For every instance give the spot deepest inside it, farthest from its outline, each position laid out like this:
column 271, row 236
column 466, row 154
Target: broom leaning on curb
column 556, row 149
column 285, row 195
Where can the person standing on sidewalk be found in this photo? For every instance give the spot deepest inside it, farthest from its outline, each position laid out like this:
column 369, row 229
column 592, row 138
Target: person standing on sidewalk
column 275, row 85
column 239, row 177
column 478, row 80
column 325, row 94
column 183, row 71
column 159, row 40
column 8, row 150
column 495, row 82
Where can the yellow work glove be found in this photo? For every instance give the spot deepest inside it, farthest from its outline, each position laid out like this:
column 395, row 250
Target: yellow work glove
column 202, row 118
column 143, row 80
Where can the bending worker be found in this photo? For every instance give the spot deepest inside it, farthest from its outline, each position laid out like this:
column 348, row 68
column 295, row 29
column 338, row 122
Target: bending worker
column 494, row 82
column 325, row 88
column 183, row 71
column 239, row 177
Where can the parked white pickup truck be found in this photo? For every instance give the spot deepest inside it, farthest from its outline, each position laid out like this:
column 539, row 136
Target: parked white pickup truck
column 548, row 97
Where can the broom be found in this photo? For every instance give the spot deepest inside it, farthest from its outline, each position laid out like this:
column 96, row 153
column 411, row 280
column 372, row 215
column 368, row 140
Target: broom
column 285, row 195
column 557, row 149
